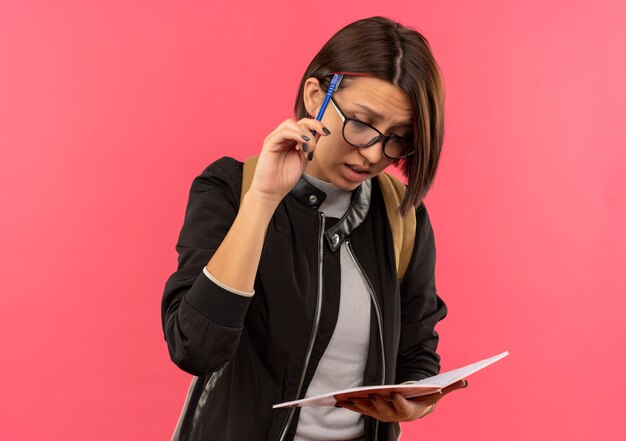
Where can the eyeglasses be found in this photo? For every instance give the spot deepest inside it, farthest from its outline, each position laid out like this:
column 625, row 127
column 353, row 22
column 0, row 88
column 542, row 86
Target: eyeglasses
column 361, row 135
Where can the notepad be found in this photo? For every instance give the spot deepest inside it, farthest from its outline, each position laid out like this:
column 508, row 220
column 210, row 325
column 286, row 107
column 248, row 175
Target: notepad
column 424, row 386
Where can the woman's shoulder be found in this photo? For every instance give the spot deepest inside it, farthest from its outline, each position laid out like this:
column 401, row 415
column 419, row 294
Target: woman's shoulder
column 223, row 175
column 226, row 166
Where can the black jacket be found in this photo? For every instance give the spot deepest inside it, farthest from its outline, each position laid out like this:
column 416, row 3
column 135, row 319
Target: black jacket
column 252, row 352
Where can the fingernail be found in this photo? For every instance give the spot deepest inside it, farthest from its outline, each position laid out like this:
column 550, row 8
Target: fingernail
column 466, row 383
column 306, row 138
column 310, row 156
column 304, row 147
column 393, row 397
column 325, row 130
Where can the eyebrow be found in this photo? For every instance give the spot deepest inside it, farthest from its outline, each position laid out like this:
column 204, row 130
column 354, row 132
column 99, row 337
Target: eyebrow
column 408, row 124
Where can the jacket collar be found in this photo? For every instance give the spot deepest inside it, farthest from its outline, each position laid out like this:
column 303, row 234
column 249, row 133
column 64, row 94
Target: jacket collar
column 311, row 196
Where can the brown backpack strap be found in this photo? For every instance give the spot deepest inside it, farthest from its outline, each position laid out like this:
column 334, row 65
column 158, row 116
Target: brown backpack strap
column 249, row 166
column 402, row 228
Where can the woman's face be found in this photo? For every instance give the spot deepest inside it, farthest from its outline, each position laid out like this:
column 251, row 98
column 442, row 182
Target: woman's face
column 333, row 154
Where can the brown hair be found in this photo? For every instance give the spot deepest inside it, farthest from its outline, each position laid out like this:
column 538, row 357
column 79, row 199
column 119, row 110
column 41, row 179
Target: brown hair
column 382, row 48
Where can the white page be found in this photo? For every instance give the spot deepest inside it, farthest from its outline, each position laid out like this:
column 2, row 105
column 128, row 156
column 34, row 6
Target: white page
column 447, row 378
column 422, row 387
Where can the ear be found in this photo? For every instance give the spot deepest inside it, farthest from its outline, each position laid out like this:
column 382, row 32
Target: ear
column 313, row 96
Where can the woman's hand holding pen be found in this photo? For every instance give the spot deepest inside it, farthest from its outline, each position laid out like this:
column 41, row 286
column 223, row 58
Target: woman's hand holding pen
column 284, row 157
column 279, row 167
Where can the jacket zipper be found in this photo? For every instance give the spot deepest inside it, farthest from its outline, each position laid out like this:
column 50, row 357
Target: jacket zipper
column 316, row 321
column 378, row 317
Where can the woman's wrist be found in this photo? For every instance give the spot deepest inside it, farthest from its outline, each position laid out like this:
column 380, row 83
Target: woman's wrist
column 261, row 204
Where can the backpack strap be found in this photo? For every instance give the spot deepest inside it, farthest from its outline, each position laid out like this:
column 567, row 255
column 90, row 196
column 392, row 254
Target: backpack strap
column 402, row 227
column 249, row 166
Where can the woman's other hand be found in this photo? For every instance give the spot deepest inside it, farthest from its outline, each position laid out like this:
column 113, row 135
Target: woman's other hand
column 399, row 409
column 284, row 157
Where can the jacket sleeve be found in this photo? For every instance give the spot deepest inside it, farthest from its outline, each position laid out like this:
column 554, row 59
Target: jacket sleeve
column 421, row 307
column 202, row 320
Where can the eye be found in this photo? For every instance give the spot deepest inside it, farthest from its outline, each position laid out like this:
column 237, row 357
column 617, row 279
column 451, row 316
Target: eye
column 408, row 136
column 353, row 116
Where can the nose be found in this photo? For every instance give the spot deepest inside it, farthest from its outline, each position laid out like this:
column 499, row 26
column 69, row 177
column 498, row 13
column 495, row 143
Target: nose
column 374, row 153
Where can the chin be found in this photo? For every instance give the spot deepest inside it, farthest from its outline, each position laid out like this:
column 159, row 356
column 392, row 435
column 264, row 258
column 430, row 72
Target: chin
column 344, row 184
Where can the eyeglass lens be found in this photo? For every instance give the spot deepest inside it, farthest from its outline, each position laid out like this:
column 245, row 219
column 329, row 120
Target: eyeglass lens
column 360, row 135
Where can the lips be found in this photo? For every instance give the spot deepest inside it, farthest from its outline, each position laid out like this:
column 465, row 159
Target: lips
column 353, row 176
column 359, row 169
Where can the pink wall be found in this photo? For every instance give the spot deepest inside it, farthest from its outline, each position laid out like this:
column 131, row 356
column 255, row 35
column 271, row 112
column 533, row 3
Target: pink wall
column 108, row 110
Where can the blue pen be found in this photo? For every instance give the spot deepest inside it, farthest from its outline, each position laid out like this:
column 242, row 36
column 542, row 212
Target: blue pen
column 334, row 84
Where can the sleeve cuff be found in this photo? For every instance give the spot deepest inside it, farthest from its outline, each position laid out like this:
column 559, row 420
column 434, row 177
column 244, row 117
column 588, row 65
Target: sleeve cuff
column 226, row 287
column 217, row 304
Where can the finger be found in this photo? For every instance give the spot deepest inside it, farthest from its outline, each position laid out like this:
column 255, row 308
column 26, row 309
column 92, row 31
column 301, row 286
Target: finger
column 289, row 122
column 415, row 409
column 357, row 406
column 461, row 384
column 289, row 133
column 314, row 126
column 317, row 126
column 386, row 411
column 305, row 129
column 426, row 400
column 365, row 404
column 401, row 405
column 307, row 142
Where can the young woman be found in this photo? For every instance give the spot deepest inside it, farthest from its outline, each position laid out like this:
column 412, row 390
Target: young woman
column 292, row 290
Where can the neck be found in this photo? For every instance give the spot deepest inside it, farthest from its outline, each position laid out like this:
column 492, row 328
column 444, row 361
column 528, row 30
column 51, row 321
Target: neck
column 337, row 199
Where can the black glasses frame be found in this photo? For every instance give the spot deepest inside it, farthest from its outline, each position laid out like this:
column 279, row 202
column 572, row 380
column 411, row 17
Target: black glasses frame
column 385, row 138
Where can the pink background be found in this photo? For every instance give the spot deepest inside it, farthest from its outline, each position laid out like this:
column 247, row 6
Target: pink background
column 108, row 110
